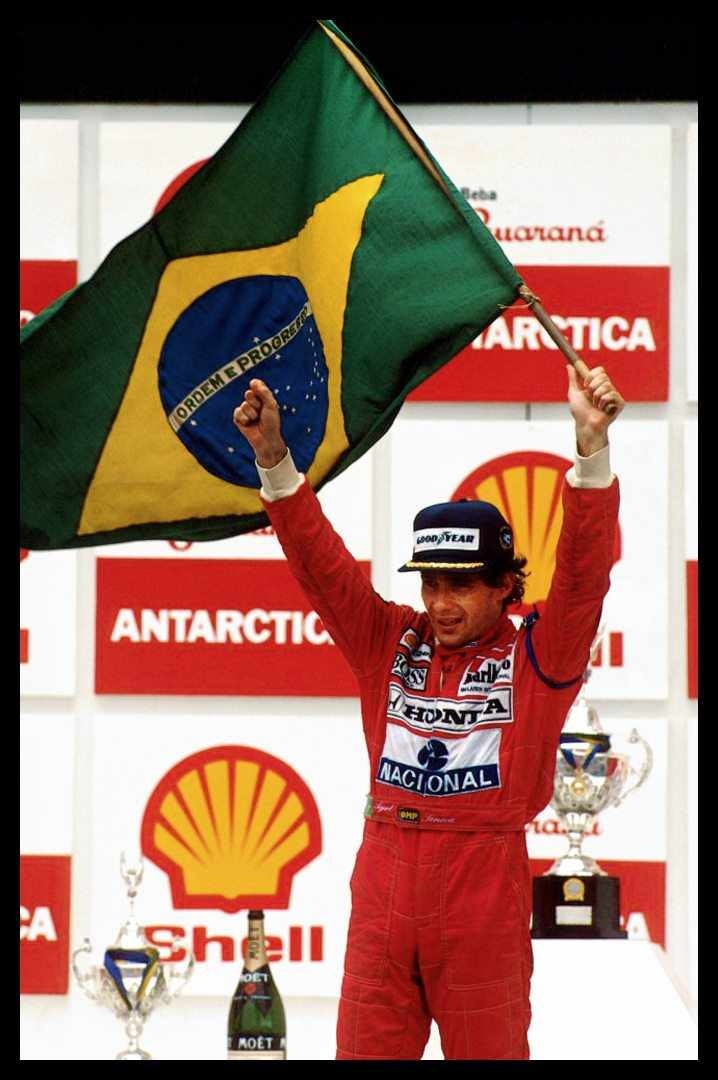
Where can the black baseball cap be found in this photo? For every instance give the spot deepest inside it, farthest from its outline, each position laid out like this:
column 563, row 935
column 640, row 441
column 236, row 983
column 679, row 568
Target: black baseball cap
column 462, row 536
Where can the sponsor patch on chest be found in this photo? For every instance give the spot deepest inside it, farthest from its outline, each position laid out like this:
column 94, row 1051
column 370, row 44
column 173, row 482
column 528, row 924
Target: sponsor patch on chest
column 446, row 714
column 440, row 767
column 417, row 650
column 481, row 676
column 414, row 678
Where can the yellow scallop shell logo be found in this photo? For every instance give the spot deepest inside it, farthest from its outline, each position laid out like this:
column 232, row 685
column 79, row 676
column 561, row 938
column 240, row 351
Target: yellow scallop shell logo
column 231, row 826
column 526, row 487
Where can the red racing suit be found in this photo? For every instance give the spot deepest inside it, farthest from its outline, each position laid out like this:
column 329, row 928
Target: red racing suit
column 462, row 750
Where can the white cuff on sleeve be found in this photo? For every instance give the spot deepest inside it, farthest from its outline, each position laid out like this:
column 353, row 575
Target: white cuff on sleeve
column 591, row 472
column 281, row 480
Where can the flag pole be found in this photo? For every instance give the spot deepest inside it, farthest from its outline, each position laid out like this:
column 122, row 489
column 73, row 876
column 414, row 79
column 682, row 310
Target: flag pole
column 556, row 336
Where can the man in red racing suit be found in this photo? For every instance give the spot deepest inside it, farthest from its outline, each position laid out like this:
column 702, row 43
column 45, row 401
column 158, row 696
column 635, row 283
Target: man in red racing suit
column 461, row 714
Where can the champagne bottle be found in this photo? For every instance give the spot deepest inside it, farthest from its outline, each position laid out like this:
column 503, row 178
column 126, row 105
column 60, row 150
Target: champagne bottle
column 256, row 1028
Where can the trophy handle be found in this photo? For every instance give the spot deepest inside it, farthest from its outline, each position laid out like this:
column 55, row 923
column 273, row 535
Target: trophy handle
column 177, row 977
column 644, row 770
column 85, row 979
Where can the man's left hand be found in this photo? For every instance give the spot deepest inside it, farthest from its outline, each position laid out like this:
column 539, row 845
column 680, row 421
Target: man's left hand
column 588, row 401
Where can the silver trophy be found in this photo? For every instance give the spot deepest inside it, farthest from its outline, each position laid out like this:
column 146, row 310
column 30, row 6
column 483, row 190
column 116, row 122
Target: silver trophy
column 590, row 776
column 132, row 981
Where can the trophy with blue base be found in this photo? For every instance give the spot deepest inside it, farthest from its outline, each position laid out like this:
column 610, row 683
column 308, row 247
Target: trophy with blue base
column 132, row 981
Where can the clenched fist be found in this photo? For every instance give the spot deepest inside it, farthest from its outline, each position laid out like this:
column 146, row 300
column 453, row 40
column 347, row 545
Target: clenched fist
column 258, row 420
column 589, row 401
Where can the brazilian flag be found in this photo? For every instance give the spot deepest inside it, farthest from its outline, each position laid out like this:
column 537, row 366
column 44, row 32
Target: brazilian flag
column 322, row 249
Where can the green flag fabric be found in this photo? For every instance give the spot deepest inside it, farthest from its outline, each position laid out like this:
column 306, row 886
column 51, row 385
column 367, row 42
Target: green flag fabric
column 321, row 249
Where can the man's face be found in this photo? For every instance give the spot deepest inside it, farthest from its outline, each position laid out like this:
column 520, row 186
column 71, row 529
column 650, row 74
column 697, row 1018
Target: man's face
column 461, row 607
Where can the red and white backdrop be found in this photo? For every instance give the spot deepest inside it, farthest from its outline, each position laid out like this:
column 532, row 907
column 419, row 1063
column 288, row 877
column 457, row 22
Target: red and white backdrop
column 49, row 204
column 584, row 215
column 590, row 233
column 142, row 165
column 48, row 601
column 692, row 263
column 48, row 268
column 232, row 812
column 690, row 450
column 47, row 749
column 519, row 465
column 691, row 429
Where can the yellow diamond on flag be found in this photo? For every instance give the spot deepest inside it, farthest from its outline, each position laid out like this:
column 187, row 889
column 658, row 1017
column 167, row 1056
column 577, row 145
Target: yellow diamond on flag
column 142, row 451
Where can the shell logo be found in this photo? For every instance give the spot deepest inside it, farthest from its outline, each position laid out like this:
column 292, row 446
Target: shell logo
column 231, row 826
column 526, row 487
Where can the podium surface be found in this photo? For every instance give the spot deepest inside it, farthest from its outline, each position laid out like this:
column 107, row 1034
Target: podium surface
column 606, row 1000
column 591, row 1000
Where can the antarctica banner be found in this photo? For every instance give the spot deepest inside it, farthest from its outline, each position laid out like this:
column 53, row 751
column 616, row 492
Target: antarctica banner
column 583, row 212
column 225, row 616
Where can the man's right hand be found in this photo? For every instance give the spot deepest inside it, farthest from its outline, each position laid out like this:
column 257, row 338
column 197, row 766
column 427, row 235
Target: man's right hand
column 258, row 420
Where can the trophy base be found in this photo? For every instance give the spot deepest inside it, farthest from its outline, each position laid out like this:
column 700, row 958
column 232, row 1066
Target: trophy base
column 576, row 907
column 575, row 866
column 133, row 1055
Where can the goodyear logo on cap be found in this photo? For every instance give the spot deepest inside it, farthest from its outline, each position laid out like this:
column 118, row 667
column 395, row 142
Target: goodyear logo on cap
column 447, row 539
column 231, row 826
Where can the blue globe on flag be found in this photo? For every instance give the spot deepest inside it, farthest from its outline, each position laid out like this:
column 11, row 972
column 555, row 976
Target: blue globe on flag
column 246, row 328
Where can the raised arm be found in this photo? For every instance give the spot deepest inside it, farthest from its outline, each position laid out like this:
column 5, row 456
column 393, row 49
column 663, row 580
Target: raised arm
column 359, row 620
column 563, row 635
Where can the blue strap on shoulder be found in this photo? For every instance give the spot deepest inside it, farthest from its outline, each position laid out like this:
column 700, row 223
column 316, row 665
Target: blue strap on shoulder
column 528, row 623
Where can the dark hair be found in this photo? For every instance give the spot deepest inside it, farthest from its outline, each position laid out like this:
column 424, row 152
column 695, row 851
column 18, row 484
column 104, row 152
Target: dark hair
column 493, row 577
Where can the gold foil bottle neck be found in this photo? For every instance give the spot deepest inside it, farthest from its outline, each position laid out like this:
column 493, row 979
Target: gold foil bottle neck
column 256, row 954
